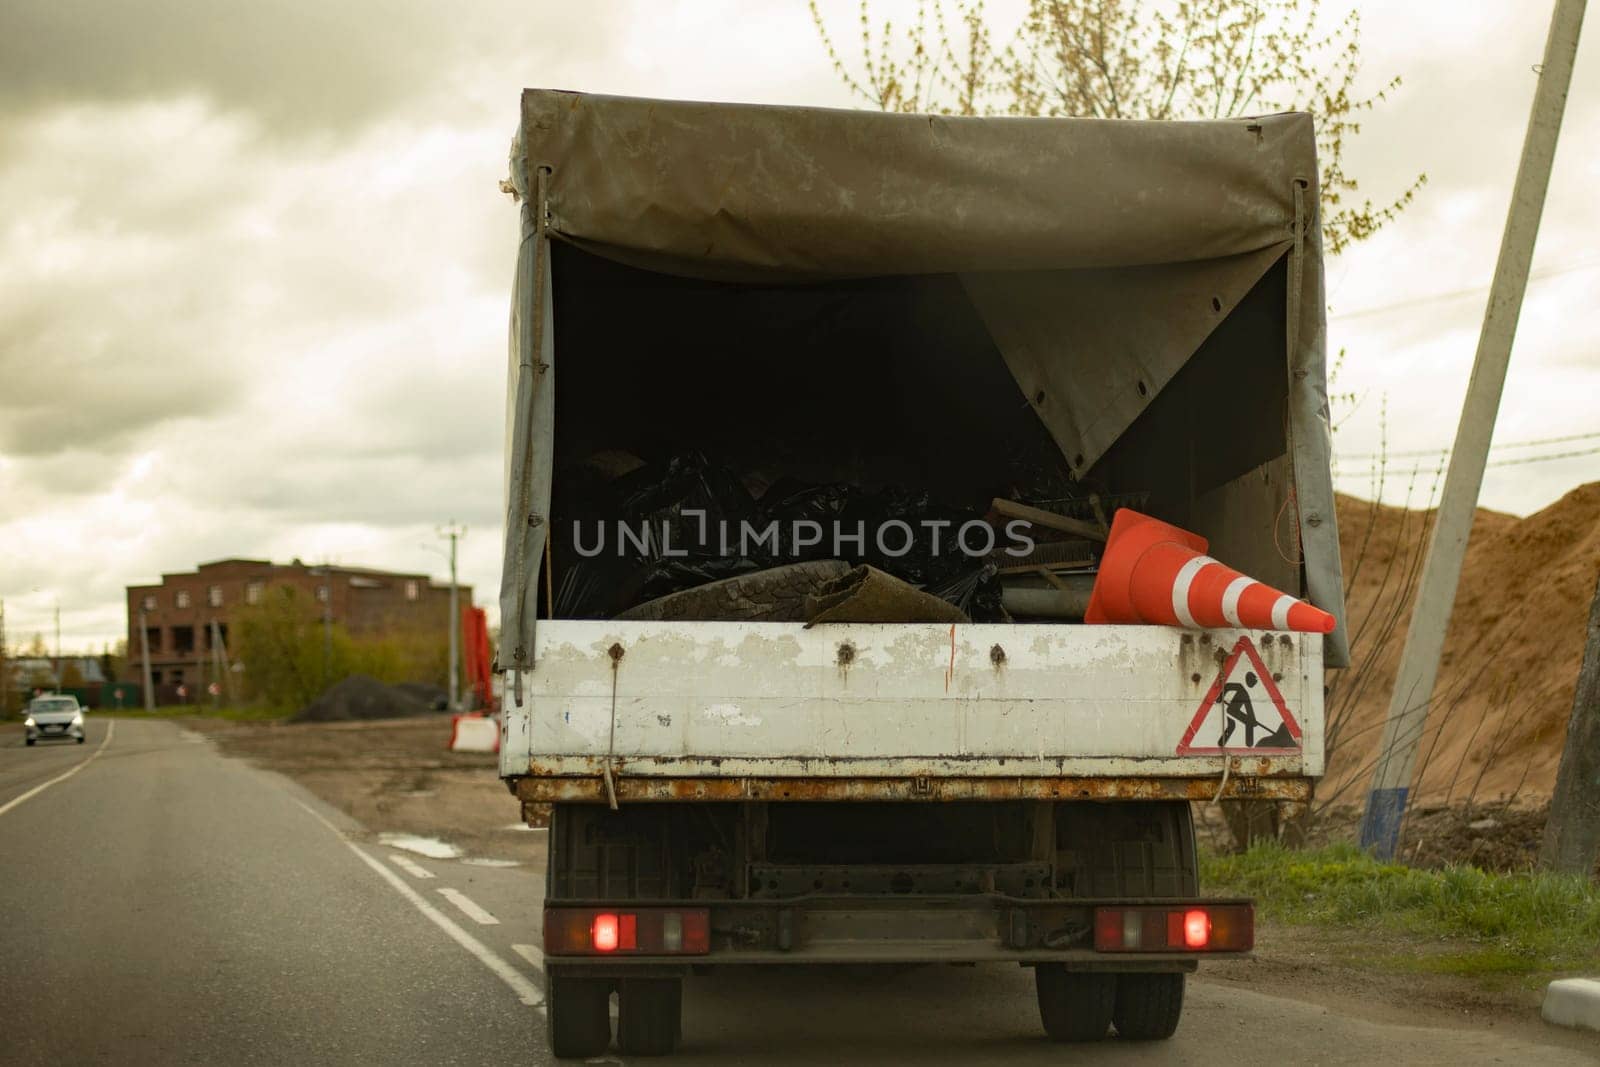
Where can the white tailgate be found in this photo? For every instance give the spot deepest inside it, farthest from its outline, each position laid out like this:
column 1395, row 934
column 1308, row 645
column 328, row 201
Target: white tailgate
column 716, row 699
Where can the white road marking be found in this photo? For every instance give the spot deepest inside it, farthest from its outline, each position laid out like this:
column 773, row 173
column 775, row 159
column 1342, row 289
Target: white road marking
column 519, row 983
column 531, row 953
column 469, row 907
column 111, row 728
column 430, row 847
column 414, row 869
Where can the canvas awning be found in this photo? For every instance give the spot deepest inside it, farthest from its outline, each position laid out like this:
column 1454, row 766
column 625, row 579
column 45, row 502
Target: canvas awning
column 1100, row 254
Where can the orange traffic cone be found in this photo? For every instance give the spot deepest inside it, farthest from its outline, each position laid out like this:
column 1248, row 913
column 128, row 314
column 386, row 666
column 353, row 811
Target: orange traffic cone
column 1153, row 572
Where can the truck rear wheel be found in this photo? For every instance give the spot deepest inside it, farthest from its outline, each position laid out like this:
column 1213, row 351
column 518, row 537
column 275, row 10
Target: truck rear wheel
column 579, row 1010
column 1148, row 1006
column 1074, row 1005
column 649, row 1015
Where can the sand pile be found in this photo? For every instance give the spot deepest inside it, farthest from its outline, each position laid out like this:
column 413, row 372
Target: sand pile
column 1499, row 713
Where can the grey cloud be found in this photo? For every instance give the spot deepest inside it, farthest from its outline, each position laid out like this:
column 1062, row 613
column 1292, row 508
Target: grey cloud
column 82, row 377
column 379, row 492
column 302, row 65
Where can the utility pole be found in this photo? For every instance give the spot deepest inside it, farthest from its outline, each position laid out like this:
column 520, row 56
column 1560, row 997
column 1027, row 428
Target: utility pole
column 144, row 650
column 216, row 659
column 1572, row 831
column 454, row 533
column 5, row 667
column 1441, row 573
column 326, row 573
column 221, row 663
column 58, row 646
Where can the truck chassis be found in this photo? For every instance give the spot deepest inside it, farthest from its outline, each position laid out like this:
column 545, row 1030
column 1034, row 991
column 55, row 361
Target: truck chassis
column 1033, row 883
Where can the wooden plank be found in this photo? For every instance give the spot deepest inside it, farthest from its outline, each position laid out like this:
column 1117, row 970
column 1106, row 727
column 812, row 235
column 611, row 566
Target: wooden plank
column 1049, row 519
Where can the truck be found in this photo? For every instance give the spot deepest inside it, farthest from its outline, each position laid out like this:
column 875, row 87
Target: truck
column 886, row 323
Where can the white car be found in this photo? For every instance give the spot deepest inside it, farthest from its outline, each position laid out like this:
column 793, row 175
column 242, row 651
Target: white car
column 54, row 717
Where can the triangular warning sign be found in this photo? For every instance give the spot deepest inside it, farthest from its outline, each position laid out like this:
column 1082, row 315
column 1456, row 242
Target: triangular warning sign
column 1243, row 711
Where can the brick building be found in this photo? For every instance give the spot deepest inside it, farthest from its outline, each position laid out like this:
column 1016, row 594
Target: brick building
column 179, row 612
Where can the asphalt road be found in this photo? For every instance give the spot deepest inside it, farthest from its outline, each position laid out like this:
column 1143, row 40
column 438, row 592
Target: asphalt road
column 163, row 904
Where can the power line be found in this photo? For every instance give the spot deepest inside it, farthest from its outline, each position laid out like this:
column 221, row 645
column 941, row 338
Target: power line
column 1545, row 459
column 1455, row 294
column 1445, row 451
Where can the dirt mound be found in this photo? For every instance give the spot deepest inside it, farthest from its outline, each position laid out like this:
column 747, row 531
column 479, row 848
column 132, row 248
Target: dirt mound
column 1510, row 664
column 1495, row 838
column 432, row 695
column 361, row 697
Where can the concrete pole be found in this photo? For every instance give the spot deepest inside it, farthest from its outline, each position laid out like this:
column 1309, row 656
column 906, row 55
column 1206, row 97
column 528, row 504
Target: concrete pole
column 327, row 625
column 454, row 533
column 144, row 649
column 1419, row 664
column 5, row 667
column 216, row 661
column 1572, row 831
column 58, row 646
column 224, row 665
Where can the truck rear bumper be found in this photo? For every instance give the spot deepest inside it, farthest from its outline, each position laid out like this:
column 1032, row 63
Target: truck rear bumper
column 956, row 929
column 539, row 788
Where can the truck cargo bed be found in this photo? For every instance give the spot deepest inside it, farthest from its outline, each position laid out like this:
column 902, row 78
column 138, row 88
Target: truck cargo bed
column 723, row 710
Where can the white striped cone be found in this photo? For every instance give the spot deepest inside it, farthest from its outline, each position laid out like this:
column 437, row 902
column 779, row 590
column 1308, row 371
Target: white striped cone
column 1153, row 572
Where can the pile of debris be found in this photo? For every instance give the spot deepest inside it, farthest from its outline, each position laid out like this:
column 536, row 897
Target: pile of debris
column 1495, row 837
column 362, row 697
column 686, row 538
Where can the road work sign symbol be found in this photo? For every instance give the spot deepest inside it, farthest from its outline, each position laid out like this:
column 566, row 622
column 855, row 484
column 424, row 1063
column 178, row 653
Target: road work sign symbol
column 1243, row 712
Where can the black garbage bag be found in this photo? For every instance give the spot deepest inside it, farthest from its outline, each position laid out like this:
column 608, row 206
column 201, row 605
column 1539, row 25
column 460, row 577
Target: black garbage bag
column 652, row 531
column 685, row 521
column 975, row 591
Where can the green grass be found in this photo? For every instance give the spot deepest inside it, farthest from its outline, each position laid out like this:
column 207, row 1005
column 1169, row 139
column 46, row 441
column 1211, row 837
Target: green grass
column 1494, row 923
column 235, row 713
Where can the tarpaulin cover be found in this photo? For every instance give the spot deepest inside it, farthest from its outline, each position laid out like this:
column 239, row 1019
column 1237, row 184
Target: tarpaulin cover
column 1100, row 254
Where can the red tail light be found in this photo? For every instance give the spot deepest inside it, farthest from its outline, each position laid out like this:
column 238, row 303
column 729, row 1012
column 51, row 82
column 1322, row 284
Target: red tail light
column 643, row 931
column 1192, row 928
column 603, row 933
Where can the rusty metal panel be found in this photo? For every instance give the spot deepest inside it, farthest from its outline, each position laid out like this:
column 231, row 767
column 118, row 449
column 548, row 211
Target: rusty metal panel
column 541, row 786
column 702, row 701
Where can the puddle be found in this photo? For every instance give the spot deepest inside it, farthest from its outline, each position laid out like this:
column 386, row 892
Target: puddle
column 481, row 862
column 431, row 847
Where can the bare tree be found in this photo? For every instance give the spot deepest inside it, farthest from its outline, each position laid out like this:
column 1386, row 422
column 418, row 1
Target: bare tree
column 1130, row 59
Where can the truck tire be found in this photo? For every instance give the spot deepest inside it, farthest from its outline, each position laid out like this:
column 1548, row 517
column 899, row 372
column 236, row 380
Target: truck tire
column 649, row 1015
column 1148, row 1006
column 579, row 1010
column 1074, row 1005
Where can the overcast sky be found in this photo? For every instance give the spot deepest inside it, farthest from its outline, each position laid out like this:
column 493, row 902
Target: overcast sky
column 254, row 264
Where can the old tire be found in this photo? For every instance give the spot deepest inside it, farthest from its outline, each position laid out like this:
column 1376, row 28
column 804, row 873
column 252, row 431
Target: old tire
column 1148, row 1006
column 579, row 1010
column 649, row 1015
column 1074, row 1005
